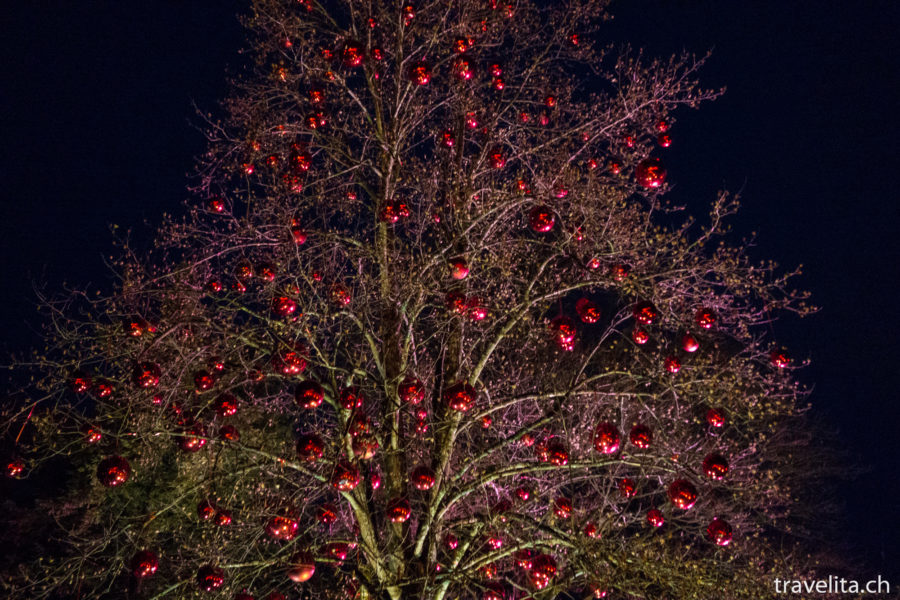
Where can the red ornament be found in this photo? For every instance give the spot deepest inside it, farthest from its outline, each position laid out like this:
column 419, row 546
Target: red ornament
column 327, row 513
column 302, row 567
column 80, row 382
column 689, row 343
column 590, row 530
column 205, row 510
column 375, row 480
column 523, row 493
column 461, row 45
column 193, row 438
column 587, row 310
column 216, row 204
column 460, row 396
column 488, row 571
column 655, row 517
column 614, row 166
column 640, row 336
column 102, row 388
column 627, row 487
column 564, row 332
column 606, row 438
column 112, row 471
column 462, row 69
column 459, row 270
column 15, row 467
column 229, row 433
column 297, row 233
column 310, row 447
column 213, row 286
column 447, row 138
column 450, row 541
column 290, row 362
column 715, row 466
column 780, row 359
column 337, row 550
column 411, row 390
column 641, row 436
column 650, row 173
column 210, row 578
column 475, row 310
column 493, row 591
column 682, row 493
column 562, row 507
column 350, row 398
column 223, row 518
column 498, row 160
column 715, row 418
column 284, row 306
column 420, row 73
column 398, row 510
column 672, row 364
column 664, row 140
column 523, row 559
column 541, row 219
column 144, row 563
column 553, row 451
column 345, row 477
column 225, row 405
column 146, row 374
column 309, row 394
column 705, row 318
column 352, row 55
column 619, row 272
column 645, row 313
column 282, row 528
column 719, row 531
column 662, row 126
column 91, row 434
column 203, row 380
column 543, row 570
column 422, row 478
column 340, row 295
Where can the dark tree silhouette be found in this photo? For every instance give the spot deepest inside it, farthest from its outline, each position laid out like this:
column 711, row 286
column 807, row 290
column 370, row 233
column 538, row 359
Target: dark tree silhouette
column 429, row 329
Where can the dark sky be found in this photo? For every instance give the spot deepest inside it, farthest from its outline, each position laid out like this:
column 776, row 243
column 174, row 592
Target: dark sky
column 95, row 128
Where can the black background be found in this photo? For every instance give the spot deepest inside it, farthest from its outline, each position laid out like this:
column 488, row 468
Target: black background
column 96, row 107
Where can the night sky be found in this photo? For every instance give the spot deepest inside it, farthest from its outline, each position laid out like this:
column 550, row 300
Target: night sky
column 97, row 125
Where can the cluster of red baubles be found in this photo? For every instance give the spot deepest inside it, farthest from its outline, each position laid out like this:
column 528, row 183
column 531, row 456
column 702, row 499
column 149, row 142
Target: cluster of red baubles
column 471, row 307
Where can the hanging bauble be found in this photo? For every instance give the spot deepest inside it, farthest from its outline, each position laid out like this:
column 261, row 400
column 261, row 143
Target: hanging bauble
column 398, row 510
column 606, row 438
column 113, row 471
column 641, row 436
column 206, row 510
column 225, row 405
column 352, row 55
column 590, row 530
column 345, row 476
column 655, row 517
column 640, row 336
column 719, row 531
column 541, row 219
column 447, row 138
column 497, row 158
column 564, row 332
column 420, row 73
column 192, row 438
column 543, row 570
column 664, row 140
column 780, row 359
column 364, row 446
column 627, row 487
column 421, row 427
column 283, row 306
column 562, row 507
column 229, row 433
column 523, row 559
column 310, row 447
column 493, row 591
column 689, row 343
column 488, row 571
column 91, row 434
column 460, row 396
column 461, row 45
column 337, row 550
column 340, row 295
column 15, row 467
column 223, row 518
column 715, row 466
column 475, row 309
column 216, row 204
column 715, row 418
column 359, row 424
column 494, row 541
column 523, row 493
column 705, row 318
column 266, row 271
column 411, row 390
column 672, row 364
column 309, row 394
column 422, row 478
column 450, row 541
column 662, row 126
column 146, row 374
column 587, row 310
column 645, row 313
column 297, row 233
column 302, row 567
column 350, row 398
column 213, row 286
column 553, row 451
column 375, row 480
column 282, row 527
column 203, row 380
column 459, row 269
column 102, row 388
column 327, row 513
column 376, row 53
column 290, row 362
column 144, row 563
column 682, row 493
column 80, row 382
column 650, row 173
column 210, row 578
column 462, row 69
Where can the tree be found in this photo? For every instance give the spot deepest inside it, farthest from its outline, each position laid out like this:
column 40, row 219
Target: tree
column 432, row 331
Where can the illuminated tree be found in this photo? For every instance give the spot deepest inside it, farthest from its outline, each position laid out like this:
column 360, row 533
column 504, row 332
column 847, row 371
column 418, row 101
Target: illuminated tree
column 429, row 329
